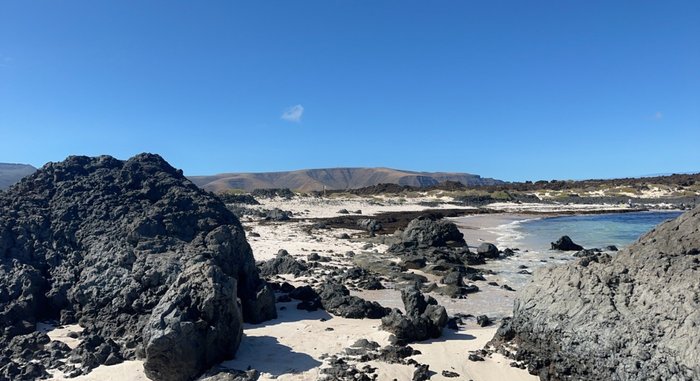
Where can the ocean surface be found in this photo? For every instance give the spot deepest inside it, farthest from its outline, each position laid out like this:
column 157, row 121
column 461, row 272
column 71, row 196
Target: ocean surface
column 533, row 236
column 589, row 231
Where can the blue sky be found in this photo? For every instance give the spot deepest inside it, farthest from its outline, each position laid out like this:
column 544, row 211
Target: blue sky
column 509, row 89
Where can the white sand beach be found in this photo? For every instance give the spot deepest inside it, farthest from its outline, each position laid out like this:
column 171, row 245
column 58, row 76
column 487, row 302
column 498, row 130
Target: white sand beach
column 293, row 346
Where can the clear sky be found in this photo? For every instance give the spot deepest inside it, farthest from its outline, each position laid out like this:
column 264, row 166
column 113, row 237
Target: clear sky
column 507, row 89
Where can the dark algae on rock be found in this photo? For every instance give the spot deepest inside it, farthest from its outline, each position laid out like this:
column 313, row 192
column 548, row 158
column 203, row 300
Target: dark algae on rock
column 632, row 316
column 151, row 266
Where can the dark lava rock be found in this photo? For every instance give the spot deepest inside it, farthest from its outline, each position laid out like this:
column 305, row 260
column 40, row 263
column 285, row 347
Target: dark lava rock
column 634, row 317
column 611, row 248
column 303, row 293
column 395, row 354
column 436, row 241
column 94, row 351
column 487, row 250
column 414, row 263
column 483, row 321
column 565, row 244
column 313, row 257
column 283, row 263
column 449, row 374
column 370, row 283
column 371, row 225
column 362, row 279
column 225, row 374
column 230, row 198
column 310, row 305
column 336, row 299
column 422, row 373
column 343, row 211
column 475, row 357
column 454, row 278
column 424, row 319
column 340, row 370
column 432, row 233
column 273, row 192
column 133, row 251
column 284, row 298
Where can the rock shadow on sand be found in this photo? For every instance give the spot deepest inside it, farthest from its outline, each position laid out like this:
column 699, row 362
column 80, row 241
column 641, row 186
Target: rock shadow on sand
column 291, row 314
column 267, row 355
column 450, row 335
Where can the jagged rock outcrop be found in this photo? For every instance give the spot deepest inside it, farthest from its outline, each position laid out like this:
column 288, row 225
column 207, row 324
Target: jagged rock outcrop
column 336, row 299
column 283, row 263
column 136, row 254
column 426, row 232
column 424, row 318
column 565, row 244
column 632, row 316
column 180, row 346
column 436, row 242
column 487, row 250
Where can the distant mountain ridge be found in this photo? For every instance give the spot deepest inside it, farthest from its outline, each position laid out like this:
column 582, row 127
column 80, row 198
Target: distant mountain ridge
column 333, row 179
column 12, row 173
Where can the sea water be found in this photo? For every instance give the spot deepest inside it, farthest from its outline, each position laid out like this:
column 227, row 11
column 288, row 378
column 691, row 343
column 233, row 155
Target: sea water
column 532, row 237
column 589, row 231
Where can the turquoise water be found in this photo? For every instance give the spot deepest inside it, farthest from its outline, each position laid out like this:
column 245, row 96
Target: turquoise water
column 600, row 230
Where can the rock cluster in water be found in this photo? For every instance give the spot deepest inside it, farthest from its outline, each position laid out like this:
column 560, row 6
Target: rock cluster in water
column 632, row 316
column 151, row 266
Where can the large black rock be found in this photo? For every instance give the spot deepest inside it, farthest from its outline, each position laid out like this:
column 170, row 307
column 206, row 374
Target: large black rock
column 565, row 244
column 632, row 316
column 424, row 318
column 427, row 232
column 336, row 299
column 134, row 252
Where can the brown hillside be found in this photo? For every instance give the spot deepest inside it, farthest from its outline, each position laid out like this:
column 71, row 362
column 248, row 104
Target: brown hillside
column 333, row 178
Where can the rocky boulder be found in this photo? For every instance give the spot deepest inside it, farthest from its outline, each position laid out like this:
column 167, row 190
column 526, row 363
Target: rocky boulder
column 565, row 244
column 424, row 318
column 632, row 316
column 432, row 233
column 369, row 224
column 336, row 299
column 135, row 253
column 283, row 263
column 197, row 323
column 487, row 250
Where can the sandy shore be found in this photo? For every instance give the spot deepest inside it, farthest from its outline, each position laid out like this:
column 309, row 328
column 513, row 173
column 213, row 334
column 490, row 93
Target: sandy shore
column 293, row 346
column 481, row 228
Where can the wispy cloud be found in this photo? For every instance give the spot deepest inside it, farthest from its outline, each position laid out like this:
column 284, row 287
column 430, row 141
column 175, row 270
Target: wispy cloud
column 293, row 114
column 658, row 115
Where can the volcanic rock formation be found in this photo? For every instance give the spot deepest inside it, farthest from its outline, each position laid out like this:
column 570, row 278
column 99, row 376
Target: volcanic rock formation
column 633, row 316
column 135, row 253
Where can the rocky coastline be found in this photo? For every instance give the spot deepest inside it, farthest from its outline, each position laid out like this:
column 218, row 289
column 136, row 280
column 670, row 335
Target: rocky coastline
column 139, row 267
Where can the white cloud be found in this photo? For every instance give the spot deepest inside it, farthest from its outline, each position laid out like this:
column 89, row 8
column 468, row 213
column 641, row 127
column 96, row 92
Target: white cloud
column 293, row 114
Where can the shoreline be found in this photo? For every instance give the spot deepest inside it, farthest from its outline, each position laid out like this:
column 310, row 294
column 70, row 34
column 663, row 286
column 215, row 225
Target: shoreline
column 294, row 346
